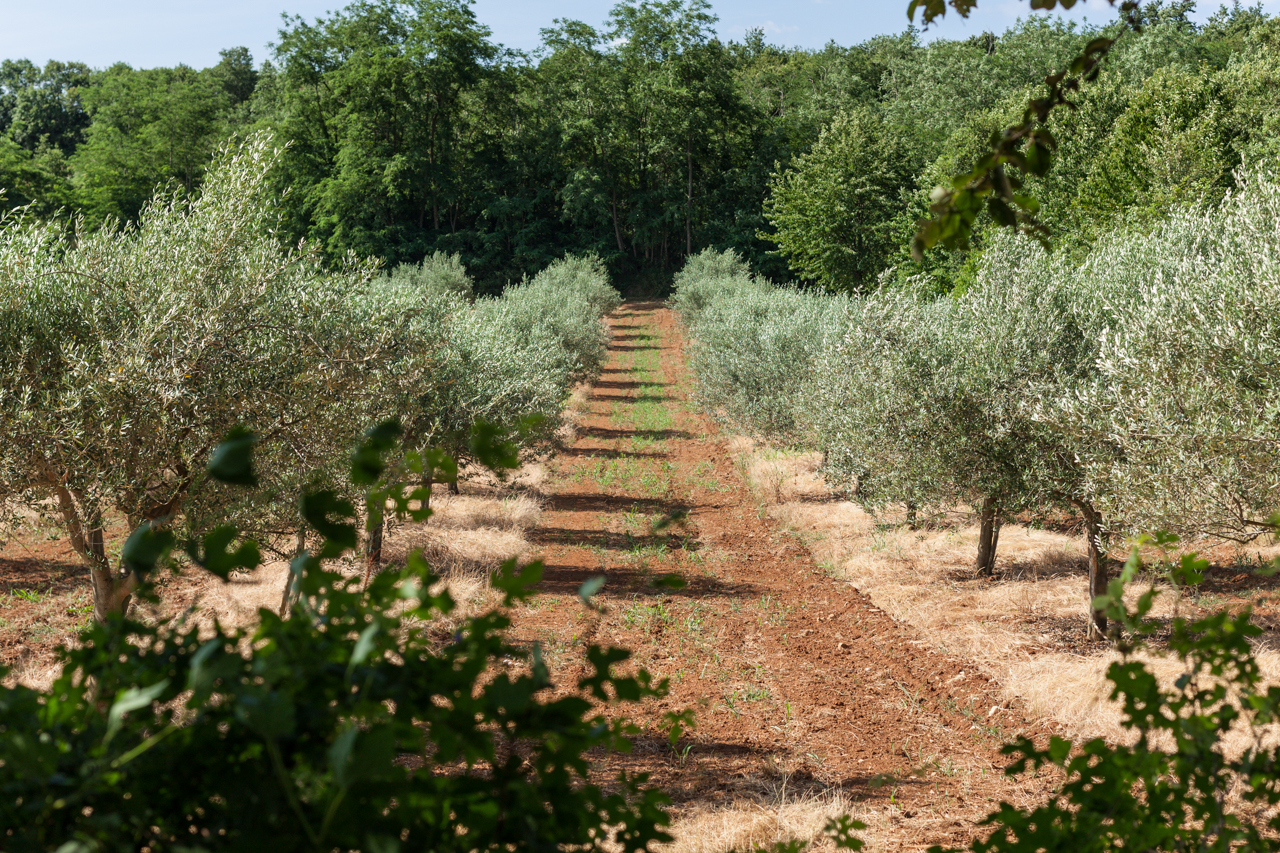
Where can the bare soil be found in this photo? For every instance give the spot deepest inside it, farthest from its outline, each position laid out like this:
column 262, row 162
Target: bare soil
column 796, row 678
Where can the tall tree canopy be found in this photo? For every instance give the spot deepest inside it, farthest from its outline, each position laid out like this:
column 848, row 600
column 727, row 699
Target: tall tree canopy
column 645, row 138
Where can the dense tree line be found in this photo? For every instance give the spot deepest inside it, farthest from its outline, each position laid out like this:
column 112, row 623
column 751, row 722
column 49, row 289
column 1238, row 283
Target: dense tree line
column 128, row 352
column 646, row 139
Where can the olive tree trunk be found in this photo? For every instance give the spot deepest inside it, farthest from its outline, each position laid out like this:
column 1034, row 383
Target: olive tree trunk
column 988, row 536
column 373, row 547
column 428, row 480
column 293, row 589
column 1097, row 568
column 112, row 589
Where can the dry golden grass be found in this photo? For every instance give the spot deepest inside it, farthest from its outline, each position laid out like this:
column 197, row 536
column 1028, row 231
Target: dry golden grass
column 466, row 539
column 35, row 672
column 1025, row 628
column 519, row 511
column 764, row 808
column 574, row 411
column 748, row 825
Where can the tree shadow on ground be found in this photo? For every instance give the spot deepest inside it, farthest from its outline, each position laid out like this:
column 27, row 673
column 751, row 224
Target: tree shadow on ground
column 606, row 433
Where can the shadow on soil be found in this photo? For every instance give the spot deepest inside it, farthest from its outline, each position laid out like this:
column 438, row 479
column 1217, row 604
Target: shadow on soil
column 606, row 434
column 614, row 541
column 41, row 575
column 600, row 453
column 603, row 503
column 632, row 581
column 635, row 398
column 621, row 385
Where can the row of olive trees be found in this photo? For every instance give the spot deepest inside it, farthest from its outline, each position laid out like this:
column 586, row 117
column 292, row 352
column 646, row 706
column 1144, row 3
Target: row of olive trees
column 127, row 353
column 1141, row 386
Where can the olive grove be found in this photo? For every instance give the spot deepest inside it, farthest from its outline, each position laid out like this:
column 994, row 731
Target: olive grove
column 130, row 351
column 1138, row 386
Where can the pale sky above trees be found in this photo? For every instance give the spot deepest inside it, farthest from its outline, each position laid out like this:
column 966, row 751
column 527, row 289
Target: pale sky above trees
column 150, row 33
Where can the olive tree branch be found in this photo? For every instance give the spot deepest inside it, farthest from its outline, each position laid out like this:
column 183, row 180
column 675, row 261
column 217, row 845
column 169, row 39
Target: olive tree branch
column 1023, row 148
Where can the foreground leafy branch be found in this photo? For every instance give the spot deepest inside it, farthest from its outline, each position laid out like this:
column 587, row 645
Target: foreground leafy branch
column 350, row 726
column 1024, row 148
column 1203, row 771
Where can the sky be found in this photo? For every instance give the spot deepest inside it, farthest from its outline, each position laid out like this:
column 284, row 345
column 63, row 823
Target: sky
column 151, row 33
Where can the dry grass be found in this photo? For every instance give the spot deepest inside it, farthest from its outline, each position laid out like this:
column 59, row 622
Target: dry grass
column 468, row 537
column 776, row 475
column 519, row 511
column 750, row 825
column 765, row 809
column 574, row 411
column 1025, row 628
column 33, row 671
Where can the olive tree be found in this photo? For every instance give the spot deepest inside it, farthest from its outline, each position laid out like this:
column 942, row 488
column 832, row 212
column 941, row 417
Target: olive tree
column 130, row 351
column 1188, row 384
column 438, row 273
column 568, row 298
column 753, row 347
column 704, row 278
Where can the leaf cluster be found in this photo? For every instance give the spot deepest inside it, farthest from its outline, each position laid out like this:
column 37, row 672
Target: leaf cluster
column 352, row 725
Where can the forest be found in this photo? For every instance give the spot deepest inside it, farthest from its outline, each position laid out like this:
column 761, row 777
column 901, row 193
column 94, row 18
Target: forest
column 646, row 139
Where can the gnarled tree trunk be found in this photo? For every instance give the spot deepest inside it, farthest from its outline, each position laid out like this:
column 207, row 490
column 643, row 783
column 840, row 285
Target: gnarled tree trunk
column 292, row 589
column 373, row 547
column 988, row 536
column 1097, row 568
column 428, row 480
column 112, row 590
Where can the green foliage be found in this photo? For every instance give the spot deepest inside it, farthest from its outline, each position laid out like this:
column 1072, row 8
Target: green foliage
column 128, row 351
column 753, row 346
column 567, row 299
column 373, row 99
column 1139, row 386
column 42, row 108
column 437, row 274
column 348, row 726
column 38, row 180
column 645, row 140
column 1167, row 787
column 149, row 127
column 1183, row 409
column 841, row 212
column 702, row 279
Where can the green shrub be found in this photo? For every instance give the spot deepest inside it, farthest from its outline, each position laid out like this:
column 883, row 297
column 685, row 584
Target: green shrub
column 350, row 726
column 497, row 368
column 569, row 299
column 439, row 273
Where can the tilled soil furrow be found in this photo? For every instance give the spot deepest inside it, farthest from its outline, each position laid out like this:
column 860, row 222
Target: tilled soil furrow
column 785, row 667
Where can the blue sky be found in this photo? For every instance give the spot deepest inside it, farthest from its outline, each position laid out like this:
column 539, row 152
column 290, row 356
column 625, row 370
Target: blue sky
column 149, row 33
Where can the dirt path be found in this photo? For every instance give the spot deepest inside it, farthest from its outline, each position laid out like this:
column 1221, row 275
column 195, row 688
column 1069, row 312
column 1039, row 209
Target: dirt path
column 796, row 679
